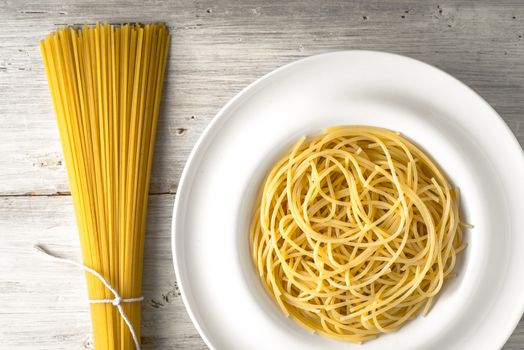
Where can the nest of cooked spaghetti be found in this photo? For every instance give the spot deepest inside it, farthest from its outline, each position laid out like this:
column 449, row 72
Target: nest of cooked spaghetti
column 355, row 232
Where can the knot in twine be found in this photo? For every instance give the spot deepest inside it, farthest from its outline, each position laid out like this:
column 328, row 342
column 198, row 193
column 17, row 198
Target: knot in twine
column 116, row 301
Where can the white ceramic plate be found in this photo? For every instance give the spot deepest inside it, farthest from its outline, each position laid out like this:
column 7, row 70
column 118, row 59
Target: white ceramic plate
column 224, row 297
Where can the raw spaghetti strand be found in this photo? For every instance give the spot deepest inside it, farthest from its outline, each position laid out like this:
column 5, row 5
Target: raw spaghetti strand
column 106, row 84
column 355, row 232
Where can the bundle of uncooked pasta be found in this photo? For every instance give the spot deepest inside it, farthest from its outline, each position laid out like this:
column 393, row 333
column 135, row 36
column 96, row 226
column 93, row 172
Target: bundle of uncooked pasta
column 106, row 84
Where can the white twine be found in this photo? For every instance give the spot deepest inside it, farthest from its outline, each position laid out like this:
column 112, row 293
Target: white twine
column 116, row 301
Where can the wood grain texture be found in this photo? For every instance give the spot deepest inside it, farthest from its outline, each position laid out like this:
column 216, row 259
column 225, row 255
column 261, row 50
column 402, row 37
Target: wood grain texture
column 218, row 47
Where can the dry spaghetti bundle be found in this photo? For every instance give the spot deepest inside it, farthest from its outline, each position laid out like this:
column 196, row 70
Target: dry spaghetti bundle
column 106, row 84
column 355, row 232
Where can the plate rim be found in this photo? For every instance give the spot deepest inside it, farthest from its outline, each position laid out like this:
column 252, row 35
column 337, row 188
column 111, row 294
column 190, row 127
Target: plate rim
column 221, row 114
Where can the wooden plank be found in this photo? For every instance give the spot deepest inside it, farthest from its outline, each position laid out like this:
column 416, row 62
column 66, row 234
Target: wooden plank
column 44, row 303
column 219, row 47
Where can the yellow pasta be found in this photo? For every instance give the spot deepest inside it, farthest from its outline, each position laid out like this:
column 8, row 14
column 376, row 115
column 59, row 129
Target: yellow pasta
column 106, row 83
column 355, row 232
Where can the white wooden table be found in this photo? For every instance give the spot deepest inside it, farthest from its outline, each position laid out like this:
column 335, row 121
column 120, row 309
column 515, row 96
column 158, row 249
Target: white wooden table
column 218, row 47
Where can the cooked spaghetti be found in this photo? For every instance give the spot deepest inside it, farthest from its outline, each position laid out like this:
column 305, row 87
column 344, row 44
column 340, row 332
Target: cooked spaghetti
column 106, row 82
column 355, row 232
